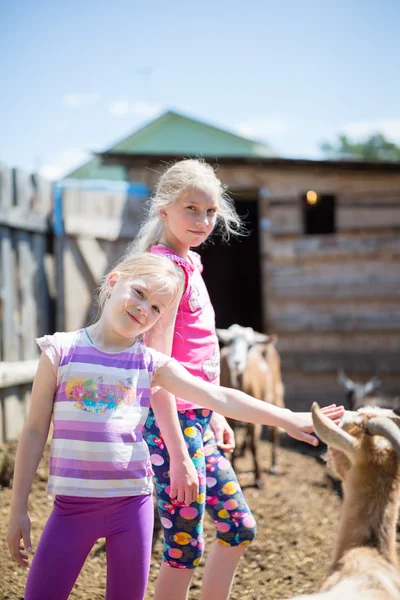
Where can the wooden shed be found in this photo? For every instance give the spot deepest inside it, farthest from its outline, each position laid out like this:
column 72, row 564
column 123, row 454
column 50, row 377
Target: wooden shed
column 321, row 264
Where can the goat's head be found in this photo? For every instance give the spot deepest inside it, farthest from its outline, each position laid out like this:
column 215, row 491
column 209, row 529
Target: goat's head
column 240, row 340
column 356, row 391
column 370, row 437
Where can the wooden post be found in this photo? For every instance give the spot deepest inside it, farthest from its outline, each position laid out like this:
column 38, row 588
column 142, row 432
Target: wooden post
column 24, row 298
column 43, row 278
column 9, row 295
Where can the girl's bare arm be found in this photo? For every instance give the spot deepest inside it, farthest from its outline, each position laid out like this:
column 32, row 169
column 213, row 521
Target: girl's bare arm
column 30, row 449
column 183, row 475
column 237, row 405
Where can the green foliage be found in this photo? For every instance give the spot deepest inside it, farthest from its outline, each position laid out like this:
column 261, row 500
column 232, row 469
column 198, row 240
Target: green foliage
column 374, row 148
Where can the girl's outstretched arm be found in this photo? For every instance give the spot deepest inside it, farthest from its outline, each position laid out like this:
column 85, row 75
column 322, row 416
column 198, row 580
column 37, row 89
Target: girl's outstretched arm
column 237, row 405
column 183, row 475
column 30, row 449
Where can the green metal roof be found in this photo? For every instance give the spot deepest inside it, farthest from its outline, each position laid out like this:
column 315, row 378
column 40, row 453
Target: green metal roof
column 174, row 134
column 95, row 170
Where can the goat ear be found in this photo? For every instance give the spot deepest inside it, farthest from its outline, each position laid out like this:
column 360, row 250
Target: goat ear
column 224, row 335
column 261, row 338
column 372, row 384
column 345, row 381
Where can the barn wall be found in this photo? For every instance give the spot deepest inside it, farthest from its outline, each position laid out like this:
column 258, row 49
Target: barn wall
column 333, row 299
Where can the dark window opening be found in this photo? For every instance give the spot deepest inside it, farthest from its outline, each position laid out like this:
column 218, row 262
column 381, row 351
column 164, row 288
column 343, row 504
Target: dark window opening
column 232, row 273
column 318, row 213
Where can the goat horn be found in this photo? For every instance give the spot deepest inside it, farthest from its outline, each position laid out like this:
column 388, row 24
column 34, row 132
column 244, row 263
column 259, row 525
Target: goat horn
column 385, row 427
column 333, row 435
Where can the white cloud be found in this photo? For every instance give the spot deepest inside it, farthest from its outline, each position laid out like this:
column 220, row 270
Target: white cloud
column 120, row 108
column 262, row 127
column 65, row 162
column 390, row 128
column 74, row 100
column 124, row 108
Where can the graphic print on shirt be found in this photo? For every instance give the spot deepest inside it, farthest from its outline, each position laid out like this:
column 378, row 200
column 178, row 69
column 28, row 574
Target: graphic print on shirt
column 195, row 299
column 211, row 366
column 97, row 396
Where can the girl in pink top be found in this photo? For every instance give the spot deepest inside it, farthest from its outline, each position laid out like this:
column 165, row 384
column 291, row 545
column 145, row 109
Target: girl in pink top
column 188, row 203
column 195, row 344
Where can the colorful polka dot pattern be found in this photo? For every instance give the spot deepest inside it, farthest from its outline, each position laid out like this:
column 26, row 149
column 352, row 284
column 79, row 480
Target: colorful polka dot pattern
column 219, row 493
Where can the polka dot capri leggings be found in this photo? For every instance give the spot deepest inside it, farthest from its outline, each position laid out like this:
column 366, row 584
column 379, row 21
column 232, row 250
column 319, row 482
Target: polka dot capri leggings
column 219, row 493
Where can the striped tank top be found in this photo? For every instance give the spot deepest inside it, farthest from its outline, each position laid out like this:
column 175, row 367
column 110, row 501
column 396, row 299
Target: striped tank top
column 100, row 407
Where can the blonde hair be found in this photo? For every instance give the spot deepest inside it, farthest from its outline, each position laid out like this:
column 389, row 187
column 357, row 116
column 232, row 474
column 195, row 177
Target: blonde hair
column 165, row 273
column 183, row 175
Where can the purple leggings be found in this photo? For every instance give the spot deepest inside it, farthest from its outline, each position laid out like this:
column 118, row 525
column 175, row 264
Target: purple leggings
column 74, row 525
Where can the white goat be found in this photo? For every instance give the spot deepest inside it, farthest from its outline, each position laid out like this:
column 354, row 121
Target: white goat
column 365, row 452
column 251, row 363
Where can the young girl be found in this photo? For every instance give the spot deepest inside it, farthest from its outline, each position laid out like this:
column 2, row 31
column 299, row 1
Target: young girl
column 188, row 203
column 96, row 384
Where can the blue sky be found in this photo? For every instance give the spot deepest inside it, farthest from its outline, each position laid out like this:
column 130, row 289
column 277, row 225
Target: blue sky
column 78, row 76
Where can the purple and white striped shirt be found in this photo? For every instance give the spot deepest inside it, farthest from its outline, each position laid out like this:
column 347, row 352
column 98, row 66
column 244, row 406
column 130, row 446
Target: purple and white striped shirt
column 100, row 407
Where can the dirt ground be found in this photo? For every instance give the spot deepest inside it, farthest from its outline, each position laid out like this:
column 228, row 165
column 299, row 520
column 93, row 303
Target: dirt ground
column 297, row 516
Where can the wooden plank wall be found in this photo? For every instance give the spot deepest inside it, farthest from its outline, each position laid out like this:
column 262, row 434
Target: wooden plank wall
column 335, row 299
column 99, row 223
column 26, row 303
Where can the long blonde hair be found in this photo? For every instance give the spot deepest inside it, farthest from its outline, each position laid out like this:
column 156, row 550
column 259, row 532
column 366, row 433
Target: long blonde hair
column 165, row 273
column 183, row 175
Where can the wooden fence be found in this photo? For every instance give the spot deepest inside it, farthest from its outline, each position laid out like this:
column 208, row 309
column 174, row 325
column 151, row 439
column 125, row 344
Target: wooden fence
column 56, row 245
column 26, row 289
column 99, row 220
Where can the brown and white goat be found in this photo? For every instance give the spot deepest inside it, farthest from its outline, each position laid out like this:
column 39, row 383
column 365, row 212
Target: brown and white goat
column 251, row 363
column 365, row 452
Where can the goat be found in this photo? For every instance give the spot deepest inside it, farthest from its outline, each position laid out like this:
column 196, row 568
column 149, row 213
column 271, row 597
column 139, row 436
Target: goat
column 355, row 391
column 251, row 363
column 360, row 394
column 365, row 452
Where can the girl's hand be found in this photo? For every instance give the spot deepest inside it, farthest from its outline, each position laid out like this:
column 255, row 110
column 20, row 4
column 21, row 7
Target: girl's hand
column 299, row 425
column 224, row 435
column 19, row 527
column 184, row 484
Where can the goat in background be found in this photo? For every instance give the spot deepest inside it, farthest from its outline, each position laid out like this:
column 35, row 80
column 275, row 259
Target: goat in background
column 365, row 452
column 251, row 363
column 361, row 394
column 356, row 392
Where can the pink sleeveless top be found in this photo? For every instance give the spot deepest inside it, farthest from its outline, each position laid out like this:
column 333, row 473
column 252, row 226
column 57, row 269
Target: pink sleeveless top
column 195, row 344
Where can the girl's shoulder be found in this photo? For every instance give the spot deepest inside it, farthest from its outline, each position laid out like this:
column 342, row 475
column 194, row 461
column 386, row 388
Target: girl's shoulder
column 188, row 266
column 153, row 359
column 59, row 344
column 63, row 338
column 192, row 262
column 196, row 260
